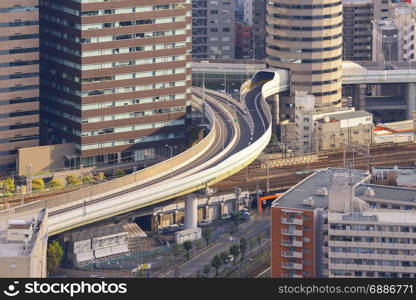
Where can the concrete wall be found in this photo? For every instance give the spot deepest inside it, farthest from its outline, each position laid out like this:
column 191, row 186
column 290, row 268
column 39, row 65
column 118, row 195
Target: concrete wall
column 43, row 158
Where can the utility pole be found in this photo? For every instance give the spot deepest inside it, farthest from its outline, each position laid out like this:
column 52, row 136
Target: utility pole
column 267, row 175
column 237, row 191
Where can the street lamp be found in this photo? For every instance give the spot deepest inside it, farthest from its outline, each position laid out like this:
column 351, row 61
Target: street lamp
column 171, row 155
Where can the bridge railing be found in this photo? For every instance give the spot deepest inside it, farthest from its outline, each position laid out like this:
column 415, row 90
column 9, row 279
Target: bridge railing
column 168, row 189
column 140, row 177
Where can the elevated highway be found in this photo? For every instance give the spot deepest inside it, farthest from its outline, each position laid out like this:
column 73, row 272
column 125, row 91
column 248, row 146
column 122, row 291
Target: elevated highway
column 238, row 134
column 352, row 73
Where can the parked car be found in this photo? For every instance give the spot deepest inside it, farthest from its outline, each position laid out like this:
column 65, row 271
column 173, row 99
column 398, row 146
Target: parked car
column 206, row 222
column 173, row 228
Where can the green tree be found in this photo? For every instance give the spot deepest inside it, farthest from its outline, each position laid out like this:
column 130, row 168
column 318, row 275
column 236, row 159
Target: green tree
column 86, row 179
column 100, row 176
column 252, row 244
column 243, row 247
column 216, row 263
column 206, row 270
column 206, row 234
column 72, row 180
column 260, row 236
column 54, row 255
column 187, row 245
column 119, row 173
column 225, row 258
column 7, row 185
column 235, row 251
column 55, row 184
column 38, row 184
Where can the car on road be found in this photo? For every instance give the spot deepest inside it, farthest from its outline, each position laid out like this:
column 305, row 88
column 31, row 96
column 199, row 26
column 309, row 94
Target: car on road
column 226, row 216
column 205, row 222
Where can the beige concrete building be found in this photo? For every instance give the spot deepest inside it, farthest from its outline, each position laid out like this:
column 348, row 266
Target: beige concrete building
column 23, row 246
column 349, row 127
column 305, row 36
column 50, row 157
column 316, row 130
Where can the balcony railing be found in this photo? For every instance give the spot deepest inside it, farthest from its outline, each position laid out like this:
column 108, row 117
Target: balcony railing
column 292, row 266
column 295, row 221
column 292, row 232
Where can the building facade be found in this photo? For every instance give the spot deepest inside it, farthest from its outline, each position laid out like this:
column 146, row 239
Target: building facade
column 23, row 246
column 357, row 30
column 297, row 226
column 213, row 29
column 243, row 38
column 306, row 38
column 19, row 79
column 116, row 77
column 255, row 16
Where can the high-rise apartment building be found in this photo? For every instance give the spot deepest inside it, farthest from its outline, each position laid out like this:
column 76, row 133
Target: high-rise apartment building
column 298, row 229
column 255, row 16
column 19, row 79
column 335, row 223
column 357, row 30
column 381, row 9
column 116, row 76
column 306, row 38
column 213, row 29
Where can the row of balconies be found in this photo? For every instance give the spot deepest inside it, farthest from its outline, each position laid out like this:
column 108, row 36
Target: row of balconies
column 372, row 256
column 372, row 233
column 372, row 268
column 404, row 246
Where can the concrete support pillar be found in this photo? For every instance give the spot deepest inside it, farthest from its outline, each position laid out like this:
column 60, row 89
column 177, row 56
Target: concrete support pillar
column 359, row 92
column 222, row 208
column 410, row 98
column 119, row 157
column 176, row 217
column 207, row 216
column 191, row 211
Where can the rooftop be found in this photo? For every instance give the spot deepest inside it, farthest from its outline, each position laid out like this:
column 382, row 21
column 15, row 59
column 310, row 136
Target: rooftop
column 351, row 115
column 17, row 248
column 309, row 187
column 386, row 192
column 98, row 232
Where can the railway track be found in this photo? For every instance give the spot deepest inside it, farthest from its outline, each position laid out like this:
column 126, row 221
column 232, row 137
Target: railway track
column 281, row 177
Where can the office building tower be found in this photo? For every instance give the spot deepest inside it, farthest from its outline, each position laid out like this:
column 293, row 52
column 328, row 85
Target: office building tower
column 19, row 79
column 116, row 77
column 213, row 29
column 306, row 38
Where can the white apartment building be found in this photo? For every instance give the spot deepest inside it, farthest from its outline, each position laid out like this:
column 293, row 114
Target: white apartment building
column 370, row 234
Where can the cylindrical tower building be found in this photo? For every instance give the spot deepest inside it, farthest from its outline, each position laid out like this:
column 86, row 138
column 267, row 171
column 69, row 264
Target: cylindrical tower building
column 305, row 36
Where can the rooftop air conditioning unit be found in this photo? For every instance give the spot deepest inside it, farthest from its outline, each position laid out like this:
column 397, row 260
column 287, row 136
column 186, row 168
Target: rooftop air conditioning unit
column 308, row 202
column 369, row 192
column 322, row 192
